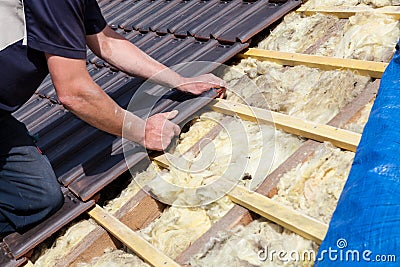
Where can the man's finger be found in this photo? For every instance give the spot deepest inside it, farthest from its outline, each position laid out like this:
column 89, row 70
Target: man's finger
column 177, row 129
column 221, row 92
column 170, row 115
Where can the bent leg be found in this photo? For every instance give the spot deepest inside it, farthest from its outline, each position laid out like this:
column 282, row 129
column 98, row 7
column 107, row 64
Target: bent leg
column 29, row 191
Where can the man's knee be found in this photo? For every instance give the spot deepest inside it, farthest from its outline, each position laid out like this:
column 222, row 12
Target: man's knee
column 30, row 195
column 53, row 200
column 41, row 206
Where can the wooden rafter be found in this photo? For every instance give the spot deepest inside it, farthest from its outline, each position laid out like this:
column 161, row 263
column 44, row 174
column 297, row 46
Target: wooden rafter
column 362, row 67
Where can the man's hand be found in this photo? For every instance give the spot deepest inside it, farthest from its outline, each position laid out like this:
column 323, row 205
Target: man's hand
column 203, row 83
column 159, row 130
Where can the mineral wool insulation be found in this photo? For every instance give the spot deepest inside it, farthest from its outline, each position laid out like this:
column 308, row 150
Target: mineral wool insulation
column 365, row 36
column 242, row 246
column 343, row 86
column 313, row 188
column 179, row 226
column 299, row 91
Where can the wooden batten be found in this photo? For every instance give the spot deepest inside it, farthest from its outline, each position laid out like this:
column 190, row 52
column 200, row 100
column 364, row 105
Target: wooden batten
column 130, row 238
column 319, row 132
column 292, row 220
column 345, row 12
column 362, row 67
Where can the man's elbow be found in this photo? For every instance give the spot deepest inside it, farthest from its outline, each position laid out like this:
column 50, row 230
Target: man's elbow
column 77, row 98
column 70, row 101
column 71, row 97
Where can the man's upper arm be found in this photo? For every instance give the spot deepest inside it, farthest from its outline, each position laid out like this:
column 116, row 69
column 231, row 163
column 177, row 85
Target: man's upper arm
column 69, row 75
column 59, row 27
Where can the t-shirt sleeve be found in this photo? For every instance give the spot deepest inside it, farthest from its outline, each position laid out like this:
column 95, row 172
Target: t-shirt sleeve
column 60, row 27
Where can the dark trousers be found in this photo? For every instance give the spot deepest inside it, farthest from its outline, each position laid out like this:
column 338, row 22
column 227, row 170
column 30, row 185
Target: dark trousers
column 29, row 191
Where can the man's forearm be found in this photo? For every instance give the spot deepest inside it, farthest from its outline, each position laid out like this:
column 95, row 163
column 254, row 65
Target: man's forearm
column 123, row 55
column 99, row 110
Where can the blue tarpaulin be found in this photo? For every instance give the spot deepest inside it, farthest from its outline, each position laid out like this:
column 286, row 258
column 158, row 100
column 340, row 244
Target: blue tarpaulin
column 365, row 227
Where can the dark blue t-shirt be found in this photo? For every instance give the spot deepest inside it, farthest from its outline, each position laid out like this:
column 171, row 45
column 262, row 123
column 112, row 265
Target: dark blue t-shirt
column 57, row 27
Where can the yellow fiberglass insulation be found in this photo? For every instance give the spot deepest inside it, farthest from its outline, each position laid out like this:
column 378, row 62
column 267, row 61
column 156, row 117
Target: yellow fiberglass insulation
column 241, row 149
column 299, row 91
column 115, row 258
column 365, row 36
column 297, row 33
column 200, row 127
column 241, row 247
column 314, row 187
column 369, row 37
column 64, row 243
column 176, row 229
column 140, row 179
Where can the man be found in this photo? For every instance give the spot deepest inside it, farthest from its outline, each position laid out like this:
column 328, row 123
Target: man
column 56, row 35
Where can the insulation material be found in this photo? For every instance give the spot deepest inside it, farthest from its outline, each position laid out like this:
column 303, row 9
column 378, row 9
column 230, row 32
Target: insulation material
column 362, row 118
column 314, row 186
column 368, row 212
column 369, row 37
column 138, row 180
column 257, row 150
column 365, row 36
column 200, row 127
column 299, row 91
column 218, row 209
column 64, row 243
column 176, row 229
column 178, row 226
column 241, row 247
column 115, row 258
column 297, row 33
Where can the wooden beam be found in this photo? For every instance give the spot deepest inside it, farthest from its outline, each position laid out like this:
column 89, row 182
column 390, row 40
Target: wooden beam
column 345, row 12
column 290, row 219
column 131, row 239
column 362, row 67
column 341, row 138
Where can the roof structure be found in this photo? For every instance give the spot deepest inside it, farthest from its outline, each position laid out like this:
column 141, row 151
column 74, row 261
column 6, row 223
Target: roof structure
column 171, row 31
